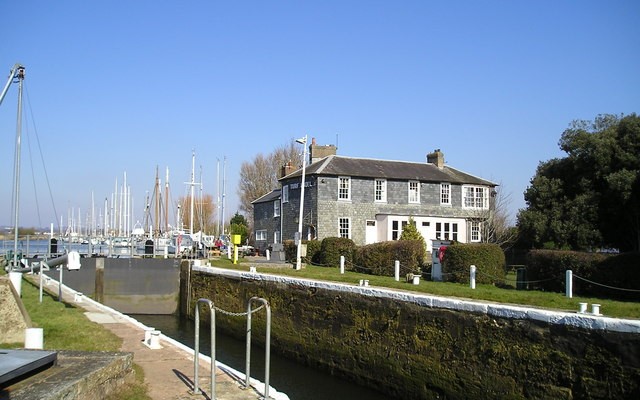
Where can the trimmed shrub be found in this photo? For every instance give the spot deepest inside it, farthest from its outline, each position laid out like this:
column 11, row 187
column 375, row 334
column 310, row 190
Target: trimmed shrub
column 488, row 258
column 595, row 274
column 379, row 258
column 332, row 248
column 291, row 251
column 313, row 251
column 546, row 269
column 618, row 272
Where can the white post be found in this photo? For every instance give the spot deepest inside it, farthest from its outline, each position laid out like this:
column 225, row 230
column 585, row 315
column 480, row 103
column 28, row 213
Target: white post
column 472, row 277
column 16, row 281
column 569, row 283
column 397, row 270
column 268, row 253
column 302, row 141
column 342, row 265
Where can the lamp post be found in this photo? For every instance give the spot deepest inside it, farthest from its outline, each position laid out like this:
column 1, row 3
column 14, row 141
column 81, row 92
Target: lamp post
column 303, row 142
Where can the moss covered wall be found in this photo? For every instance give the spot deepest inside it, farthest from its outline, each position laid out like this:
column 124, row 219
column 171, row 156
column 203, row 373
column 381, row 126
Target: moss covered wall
column 415, row 352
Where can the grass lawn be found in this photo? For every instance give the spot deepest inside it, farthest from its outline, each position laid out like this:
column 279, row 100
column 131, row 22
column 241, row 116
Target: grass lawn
column 67, row 328
column 483, row 292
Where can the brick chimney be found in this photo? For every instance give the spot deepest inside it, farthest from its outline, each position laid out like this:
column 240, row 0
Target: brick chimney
column 317, row 152
column 286, row 169
column 436, row 158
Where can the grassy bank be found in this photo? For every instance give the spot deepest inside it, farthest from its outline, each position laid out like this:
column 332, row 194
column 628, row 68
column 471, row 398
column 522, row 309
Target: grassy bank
column 67, row 328
column 491, row 293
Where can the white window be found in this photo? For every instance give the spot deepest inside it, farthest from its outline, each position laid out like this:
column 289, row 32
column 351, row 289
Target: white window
column 476, row 197
column 475, row 231
column 446, row 231
column 285, row 194
column 276, row 208
column 276, row 237
column 261, row 234
column 344, row 230
column 380, row 191
column 344, row 188
column 445, row 194
column 414, row 192
column 395, row 230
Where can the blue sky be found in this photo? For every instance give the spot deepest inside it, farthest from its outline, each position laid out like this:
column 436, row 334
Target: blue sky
column 128, row 86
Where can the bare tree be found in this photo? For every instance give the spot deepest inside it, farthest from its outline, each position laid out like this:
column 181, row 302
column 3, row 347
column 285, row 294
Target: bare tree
column 495, row 226
column 204, row 213
column 260, row 175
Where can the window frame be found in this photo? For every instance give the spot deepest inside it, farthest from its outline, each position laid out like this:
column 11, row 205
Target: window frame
column 261, row 235
column 341, row 188
column 285, row 194
column 445, row 194
column 416, row 192
column 474, row 230
column 341, row 222
column 382, row 190
column 276, row 208
column 475, row 197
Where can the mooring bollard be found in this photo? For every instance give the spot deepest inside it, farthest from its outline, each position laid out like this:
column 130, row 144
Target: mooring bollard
column 595, row 309
column 583, row 308
column 342, row 265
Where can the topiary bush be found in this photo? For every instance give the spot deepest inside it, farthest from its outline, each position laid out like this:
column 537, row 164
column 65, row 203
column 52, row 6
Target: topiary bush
column 313, row 251
column 332, row 248
column 379, row 258
column 487, row 257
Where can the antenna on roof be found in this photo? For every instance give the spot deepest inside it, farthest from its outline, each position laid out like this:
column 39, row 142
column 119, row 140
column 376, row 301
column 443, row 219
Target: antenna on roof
column 337, row 139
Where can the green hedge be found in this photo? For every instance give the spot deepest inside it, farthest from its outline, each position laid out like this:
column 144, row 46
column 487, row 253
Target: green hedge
column 379, row 258
column 595, row 274
column 488, row 258
column 332, row 248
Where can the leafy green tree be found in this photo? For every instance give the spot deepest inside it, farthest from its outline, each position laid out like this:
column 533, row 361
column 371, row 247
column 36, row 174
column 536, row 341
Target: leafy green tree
column 591, row 197
column 238, row 226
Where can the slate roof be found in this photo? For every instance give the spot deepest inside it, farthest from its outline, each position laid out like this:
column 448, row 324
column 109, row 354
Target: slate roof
column 271, row 196
column 392, row 170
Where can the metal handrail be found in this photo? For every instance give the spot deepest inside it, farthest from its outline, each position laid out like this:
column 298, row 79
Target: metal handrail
column 267, row 347
column 196, row 356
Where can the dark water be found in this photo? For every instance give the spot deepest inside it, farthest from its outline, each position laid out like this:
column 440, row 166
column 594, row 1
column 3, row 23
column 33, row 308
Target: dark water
column 299, row 382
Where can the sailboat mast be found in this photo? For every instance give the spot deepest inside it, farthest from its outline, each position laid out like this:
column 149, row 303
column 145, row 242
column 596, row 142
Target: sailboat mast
column 193, row 167
column 166, row 202
column 19, row 74
column 224, row 185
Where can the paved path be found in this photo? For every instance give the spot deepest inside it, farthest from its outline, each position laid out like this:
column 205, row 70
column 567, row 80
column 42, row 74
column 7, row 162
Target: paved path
column 169, row 369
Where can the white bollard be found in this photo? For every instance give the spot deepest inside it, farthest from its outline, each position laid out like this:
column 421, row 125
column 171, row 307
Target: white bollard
column 396, row 274
column 569, row 283
column 472, row 277
column 583, row 308
column 366, row 282
column 268, row 253
column 16, row 281
column 416, row 279
column 252, row 270
column 78, row 297
column 154, row 340
column 34, row 338
column 147, row 335
column 342, row 265
column 595, row 309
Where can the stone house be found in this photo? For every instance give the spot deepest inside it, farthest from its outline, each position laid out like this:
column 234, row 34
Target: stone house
column 371, row 200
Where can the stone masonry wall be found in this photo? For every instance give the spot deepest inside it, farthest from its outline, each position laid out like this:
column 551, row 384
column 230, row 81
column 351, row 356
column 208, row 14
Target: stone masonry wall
column 422, row 347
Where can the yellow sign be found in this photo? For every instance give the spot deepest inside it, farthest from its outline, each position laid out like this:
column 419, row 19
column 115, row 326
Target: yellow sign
column 236, row 239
